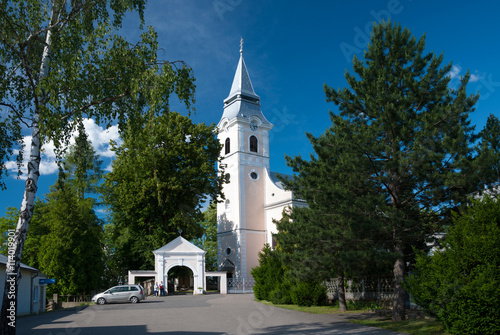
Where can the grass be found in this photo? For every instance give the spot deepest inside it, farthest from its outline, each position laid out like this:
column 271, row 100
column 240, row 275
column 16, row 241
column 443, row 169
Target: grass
column 428, row 326
column 413, row 327
column 315, row 309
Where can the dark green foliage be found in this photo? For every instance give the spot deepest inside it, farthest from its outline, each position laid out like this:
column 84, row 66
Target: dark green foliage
column 309, row 293
column 72, row 251
column 490, row 149
column 274, row 283
column 268, row 275
column 460, row 283
column 281, row 294
column 163, row 171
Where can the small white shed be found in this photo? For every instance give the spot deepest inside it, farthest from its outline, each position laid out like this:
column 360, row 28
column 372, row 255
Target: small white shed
column 31, row 294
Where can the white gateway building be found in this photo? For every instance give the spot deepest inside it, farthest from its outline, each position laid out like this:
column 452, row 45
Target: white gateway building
column 254, row 195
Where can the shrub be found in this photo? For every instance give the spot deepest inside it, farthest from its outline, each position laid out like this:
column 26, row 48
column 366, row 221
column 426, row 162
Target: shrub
column 268, row 275
column 460, row 284
column 280, row 295
column 309, row 293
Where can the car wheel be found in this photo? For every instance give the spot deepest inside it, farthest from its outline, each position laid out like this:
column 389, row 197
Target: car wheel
column 134, row 300
column 101, row 301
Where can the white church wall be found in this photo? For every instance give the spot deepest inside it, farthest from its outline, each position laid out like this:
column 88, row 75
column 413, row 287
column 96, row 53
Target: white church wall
column 254, row 213
column 255, row 243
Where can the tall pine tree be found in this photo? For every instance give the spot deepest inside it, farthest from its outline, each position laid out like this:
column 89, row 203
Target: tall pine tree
column 405, row 143
column 72, row 250
column 334, row 236
column 66, row 240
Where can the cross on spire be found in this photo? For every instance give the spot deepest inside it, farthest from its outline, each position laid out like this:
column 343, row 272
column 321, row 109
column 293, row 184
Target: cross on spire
column 241, row 45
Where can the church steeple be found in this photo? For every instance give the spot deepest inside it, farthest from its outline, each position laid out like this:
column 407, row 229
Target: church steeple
column 242, row 84
column 242, row 101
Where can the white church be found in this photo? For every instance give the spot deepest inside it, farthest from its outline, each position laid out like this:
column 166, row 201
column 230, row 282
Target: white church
column 254, row 195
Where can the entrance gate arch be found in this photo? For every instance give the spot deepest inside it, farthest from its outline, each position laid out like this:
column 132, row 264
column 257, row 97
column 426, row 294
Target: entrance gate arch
column 181, row 252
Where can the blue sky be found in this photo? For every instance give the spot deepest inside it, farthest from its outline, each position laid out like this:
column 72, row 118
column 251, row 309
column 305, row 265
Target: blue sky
column 292, row 48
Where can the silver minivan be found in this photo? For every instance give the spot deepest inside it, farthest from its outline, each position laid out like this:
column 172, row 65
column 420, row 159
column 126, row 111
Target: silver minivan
column 121, row 293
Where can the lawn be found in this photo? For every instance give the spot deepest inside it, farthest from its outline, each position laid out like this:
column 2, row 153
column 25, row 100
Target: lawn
column 412, row 327
column 428, row 326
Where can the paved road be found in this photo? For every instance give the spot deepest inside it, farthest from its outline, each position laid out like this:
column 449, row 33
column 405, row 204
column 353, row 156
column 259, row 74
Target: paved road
column 204, row 315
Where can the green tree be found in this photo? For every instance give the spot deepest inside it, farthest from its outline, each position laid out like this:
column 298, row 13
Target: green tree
column 414, row 134
column 330, row 238
column 460, row 282
column 61, row 61
column 490, row 147
column 208, row 241
column 82, row 165
column 72, row 250
column 162, row 173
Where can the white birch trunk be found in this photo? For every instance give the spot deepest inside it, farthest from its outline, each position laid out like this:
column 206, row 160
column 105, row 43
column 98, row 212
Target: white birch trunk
column 8, row 320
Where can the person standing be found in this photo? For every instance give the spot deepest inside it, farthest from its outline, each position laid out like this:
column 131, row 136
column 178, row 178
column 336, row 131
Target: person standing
column 162, row 291
column 156, row 289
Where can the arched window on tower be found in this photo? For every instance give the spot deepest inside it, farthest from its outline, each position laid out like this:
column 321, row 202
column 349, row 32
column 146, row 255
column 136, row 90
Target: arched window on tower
column 253, row 144
column 227, row 145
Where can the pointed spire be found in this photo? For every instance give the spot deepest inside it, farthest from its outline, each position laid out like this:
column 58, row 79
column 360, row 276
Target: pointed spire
column 241, row 83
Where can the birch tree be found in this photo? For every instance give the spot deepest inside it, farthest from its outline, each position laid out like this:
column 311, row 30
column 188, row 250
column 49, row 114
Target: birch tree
column 61, row 61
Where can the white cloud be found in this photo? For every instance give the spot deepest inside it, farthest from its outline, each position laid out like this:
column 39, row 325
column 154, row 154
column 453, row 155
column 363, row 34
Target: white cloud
column 475, row 77
column 108, row 168
column 99, row 137
column 455, row 72
column 46, row 167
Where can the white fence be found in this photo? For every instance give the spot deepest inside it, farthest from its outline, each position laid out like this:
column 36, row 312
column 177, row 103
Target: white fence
column 381, row 288
column 240, row 285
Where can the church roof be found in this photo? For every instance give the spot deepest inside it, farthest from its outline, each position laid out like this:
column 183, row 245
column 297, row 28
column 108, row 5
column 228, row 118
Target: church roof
column 180, row 245
column 275, row 179
column 242, row 101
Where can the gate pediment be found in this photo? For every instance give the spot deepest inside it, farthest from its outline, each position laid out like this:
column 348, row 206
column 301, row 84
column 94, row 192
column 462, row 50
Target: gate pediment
column 179, row 245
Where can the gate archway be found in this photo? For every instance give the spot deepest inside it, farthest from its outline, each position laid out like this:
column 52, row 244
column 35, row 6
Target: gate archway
column 180, row 280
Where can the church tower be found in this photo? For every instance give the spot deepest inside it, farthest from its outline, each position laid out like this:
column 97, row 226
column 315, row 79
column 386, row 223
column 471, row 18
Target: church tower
column 244, row 133
column 254, row 196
